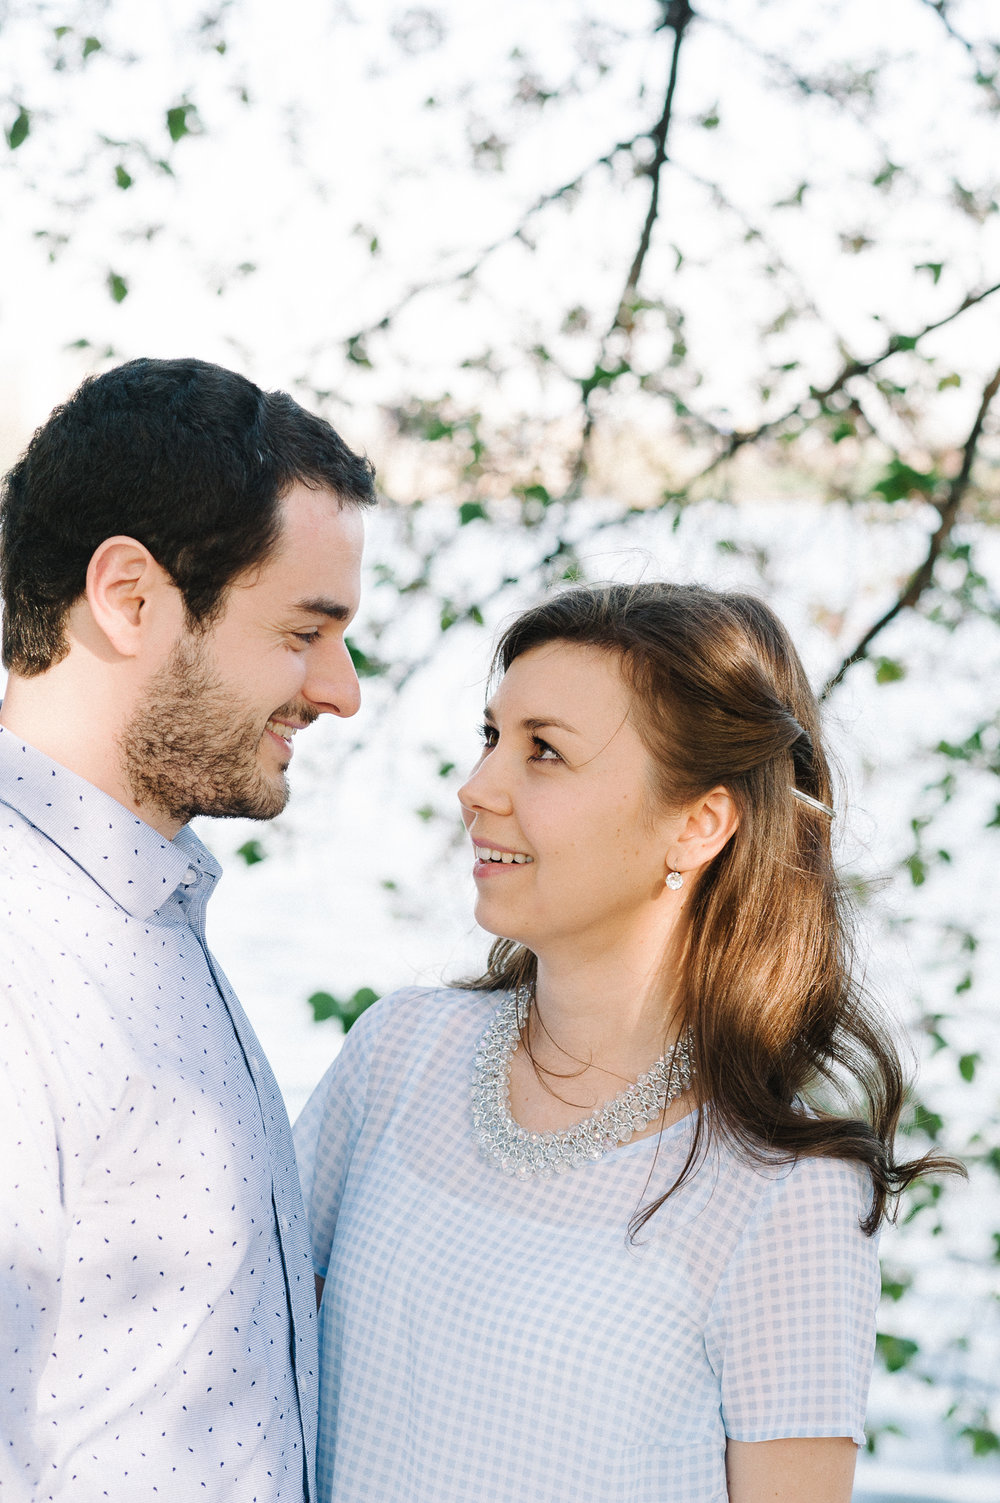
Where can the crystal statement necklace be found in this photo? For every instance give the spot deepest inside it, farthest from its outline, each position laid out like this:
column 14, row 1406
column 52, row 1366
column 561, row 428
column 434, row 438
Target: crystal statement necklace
column 522, row 1153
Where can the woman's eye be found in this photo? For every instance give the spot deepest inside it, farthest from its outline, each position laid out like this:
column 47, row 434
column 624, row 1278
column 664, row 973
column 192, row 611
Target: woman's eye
column 543, row 751
column 488, row 735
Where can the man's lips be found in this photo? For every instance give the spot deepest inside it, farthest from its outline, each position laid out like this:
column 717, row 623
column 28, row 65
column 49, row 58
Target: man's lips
column 283, row 731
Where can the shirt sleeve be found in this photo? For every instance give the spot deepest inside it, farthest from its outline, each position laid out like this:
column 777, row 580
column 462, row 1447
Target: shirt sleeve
column 791, row 1333
column 33, row 1222
column 327, row 1131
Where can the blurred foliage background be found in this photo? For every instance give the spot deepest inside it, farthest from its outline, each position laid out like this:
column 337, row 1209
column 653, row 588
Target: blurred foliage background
column 588, row 280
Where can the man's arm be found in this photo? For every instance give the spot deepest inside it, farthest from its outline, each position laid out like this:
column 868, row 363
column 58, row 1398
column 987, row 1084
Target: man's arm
column 33, row 1226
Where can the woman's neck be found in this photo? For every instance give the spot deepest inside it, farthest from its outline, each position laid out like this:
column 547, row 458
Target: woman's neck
column 612, row 1011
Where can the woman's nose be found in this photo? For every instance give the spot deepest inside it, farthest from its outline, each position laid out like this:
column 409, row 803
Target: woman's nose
column 485, row 787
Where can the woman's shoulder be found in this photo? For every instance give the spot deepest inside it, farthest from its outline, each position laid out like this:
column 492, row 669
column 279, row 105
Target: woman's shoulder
column 413, row 1013
column 826, row 1194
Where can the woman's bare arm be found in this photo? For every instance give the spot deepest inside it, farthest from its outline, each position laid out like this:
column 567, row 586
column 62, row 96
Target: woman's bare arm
column 791, row 1471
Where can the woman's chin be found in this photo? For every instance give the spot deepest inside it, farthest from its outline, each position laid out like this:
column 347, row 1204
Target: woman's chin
column 488, row 918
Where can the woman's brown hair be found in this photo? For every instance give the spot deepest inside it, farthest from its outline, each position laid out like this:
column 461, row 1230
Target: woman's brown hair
column 778, row 1019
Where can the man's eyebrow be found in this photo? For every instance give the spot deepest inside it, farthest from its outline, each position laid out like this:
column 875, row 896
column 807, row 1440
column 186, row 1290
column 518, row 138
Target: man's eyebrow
column 535, row 722
column 324, row 607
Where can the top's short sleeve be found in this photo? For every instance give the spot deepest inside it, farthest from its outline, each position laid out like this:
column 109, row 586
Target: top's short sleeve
column 791, row 1332
column 327, row 1130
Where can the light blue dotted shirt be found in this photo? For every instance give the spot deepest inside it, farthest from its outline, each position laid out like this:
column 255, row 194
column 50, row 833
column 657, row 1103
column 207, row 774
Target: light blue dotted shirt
column 157, row 1332
column 494, row 1340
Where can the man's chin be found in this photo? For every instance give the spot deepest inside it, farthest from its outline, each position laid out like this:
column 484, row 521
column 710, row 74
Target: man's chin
column 264, row 802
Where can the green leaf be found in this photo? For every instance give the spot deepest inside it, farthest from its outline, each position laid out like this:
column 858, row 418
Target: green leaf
column 356, row 352
column 181, row 121
column 888, row 671
column 953, row 380
column 347, row 1010
column 934, row 267
column 894, row 1286
column 904, row 342
column 472, row 511
column 917, row 868
column 983, row 1440
column 929, row 1123
column 967, row 1066
column 18, row 132
column 252, row 851
column 445, row 769
column 122, row 178
column 117, row 286
column 426, row 812
column 901, row 481
column 364, row 665
column 538, row 493
column 886, row 174
column 896, row 1351
column 90, row 44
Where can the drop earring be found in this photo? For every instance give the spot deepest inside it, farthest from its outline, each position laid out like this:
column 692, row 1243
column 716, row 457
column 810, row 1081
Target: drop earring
column 673, row 880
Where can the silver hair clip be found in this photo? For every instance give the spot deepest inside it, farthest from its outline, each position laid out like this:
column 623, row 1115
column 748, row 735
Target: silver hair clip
column 807, row 798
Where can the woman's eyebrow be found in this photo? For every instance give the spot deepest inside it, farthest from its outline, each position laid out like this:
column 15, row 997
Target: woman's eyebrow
column 548, row 722
column 534, row 722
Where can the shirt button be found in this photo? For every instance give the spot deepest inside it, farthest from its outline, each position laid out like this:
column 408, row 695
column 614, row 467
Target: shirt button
column 189, row 878
column 255, row 1064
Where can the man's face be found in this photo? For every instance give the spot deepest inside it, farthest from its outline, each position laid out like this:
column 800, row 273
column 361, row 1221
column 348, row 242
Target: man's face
column 213, row 731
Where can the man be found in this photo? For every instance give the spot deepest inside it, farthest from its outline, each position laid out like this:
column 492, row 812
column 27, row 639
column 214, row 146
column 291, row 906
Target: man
column 179, row 560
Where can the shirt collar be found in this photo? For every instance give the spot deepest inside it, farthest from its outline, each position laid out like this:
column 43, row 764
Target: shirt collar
column 135, row 866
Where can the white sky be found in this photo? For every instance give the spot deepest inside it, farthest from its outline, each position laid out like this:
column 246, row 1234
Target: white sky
column 338, row 142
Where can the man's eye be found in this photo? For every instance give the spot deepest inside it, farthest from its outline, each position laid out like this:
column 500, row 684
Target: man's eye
column 306, row 636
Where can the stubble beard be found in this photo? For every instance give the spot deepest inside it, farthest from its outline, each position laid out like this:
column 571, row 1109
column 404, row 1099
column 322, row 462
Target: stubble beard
column 188, row 749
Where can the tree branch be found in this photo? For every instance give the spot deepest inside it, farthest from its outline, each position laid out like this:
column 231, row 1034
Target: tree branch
column 942, row 10
column 451, row 279
column 677, row 16
column 924, row 574
column 851, row 368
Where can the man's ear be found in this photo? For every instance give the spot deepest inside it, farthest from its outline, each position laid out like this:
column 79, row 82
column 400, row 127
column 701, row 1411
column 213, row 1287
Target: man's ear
column 706, row 826
column 123, row 582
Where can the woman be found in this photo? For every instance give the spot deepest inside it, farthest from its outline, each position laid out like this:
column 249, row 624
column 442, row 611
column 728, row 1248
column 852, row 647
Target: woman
column 594, row 1226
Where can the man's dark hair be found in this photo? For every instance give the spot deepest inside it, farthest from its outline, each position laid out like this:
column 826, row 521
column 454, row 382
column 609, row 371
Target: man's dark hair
column 188, row 458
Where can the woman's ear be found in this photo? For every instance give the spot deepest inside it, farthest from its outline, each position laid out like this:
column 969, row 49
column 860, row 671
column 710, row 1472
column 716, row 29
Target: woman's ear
column 705, row 827
column 123, row 580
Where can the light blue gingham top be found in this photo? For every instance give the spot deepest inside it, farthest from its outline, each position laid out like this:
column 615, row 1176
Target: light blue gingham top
column 157, row 1305
column 492, row 1340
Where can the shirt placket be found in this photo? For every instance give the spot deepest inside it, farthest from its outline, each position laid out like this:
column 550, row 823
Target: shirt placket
column 286, row 1195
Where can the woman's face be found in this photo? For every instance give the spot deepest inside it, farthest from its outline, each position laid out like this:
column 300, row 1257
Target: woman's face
column 562, row 796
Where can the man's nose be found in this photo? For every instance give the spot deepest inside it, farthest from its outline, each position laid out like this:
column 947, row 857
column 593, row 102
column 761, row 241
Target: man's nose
column 331, row 685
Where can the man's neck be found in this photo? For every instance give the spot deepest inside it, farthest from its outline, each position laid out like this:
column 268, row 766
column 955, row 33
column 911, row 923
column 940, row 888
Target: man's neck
column 72, row 723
